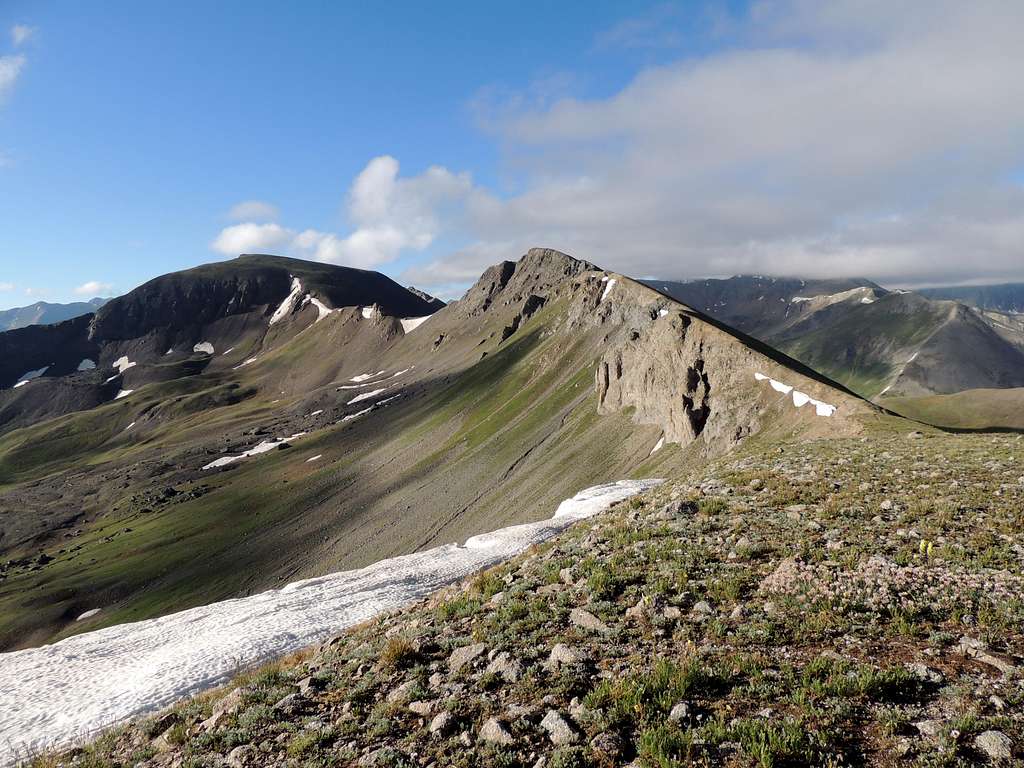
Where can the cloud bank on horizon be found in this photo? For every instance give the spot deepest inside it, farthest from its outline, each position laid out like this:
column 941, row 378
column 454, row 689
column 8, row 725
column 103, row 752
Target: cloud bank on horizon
column 858, row 137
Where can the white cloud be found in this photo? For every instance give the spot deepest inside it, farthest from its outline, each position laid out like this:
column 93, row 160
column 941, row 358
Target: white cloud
column 6, row 287
column 854, row 137
column 20, row 33
column 253, row 210
column 389, row 215
column 94, row 288
column 251, row 238
column 10, row 68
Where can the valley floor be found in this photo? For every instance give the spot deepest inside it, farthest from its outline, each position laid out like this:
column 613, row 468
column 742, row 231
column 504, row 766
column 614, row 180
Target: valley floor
column 836, row 602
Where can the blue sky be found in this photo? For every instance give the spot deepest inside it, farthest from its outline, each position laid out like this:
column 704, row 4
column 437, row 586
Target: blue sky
column 428, row 140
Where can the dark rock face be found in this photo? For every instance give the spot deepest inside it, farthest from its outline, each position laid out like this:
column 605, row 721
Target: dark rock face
column 222, row 304
column 434, row 302
column 61, row 348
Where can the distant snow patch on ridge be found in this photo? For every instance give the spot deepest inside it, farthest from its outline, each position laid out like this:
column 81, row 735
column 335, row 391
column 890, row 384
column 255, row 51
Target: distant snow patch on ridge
column 204, row 346
column 367, row 312
column 609, row 284
column 263, row 447
column 244, row 363
column 365, row 376
column 410, row 324
column 86, row 365
column 322, row 309
column 74, row 688
column 25, row 378
column 123, row 364
column 288, row 304
column 366, row 395
column 123, row 393
column 800, row 399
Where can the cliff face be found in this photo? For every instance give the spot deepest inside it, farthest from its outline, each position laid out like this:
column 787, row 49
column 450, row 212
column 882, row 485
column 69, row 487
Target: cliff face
column 701, row 382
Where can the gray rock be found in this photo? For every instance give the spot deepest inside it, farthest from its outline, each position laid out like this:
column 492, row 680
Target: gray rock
column 680, row 712
column 607, row 744
column 226, row 706
column 924, row 673
column 291, row 703
column 929, row 728
column 494, row 732
column 241, row 756
column 401, row 693
column 563, row 655
column 421, row 708
column 462, row 656
column 703, row 608
column 442, row 723
column 996, row 746
column 560, row 731
column 505, row 667
column 586, row 620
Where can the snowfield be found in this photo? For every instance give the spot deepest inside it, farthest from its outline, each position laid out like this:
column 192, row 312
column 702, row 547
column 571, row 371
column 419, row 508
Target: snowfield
column 204, row 347
column 69, row 690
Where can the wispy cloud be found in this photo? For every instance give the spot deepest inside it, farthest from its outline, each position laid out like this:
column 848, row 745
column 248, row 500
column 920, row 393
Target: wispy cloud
column 6, row 287
column 10, row 69
column 94, row 288
column 20, row 34
column 253, row 210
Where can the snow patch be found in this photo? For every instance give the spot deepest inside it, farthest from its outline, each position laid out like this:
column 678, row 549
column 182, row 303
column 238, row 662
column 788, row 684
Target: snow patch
column 367, row 312
column 322, row 309
column 76, row 687
column 244, row 363
column 662, row 312
column 365, row 376
column 657, row 446
column 123, row 364
column 316, row 413
column 129, row 426
column 607, row 288
column 228, row 352
column 25, row 378
column 800, row 399
column 86, row 365
column 314, row 458
column 366, row 395
column 204, row 346
column 288, row 304
column 357, row 414
column 412, row 323
column 123, row 393
column 89, row 614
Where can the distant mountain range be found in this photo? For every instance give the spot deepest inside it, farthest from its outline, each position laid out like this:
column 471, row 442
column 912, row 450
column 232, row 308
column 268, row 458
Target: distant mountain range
column 1005, row 297
column 879, row 343
column 45, row 313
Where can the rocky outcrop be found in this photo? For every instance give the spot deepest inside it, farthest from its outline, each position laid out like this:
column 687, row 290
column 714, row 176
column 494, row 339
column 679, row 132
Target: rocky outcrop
column 538, row 274
column 695, row 380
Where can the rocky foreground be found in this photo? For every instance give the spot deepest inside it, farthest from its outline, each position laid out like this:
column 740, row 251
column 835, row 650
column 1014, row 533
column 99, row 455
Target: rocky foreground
column 840, row 602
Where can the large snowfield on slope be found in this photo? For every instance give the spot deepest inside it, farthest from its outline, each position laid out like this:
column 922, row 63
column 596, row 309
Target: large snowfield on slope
column 66, row 691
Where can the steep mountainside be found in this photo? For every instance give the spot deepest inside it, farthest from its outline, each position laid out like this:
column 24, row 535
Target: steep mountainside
column 332, row 439
column 45, row 313
column 874, row 341
column 212, row 317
